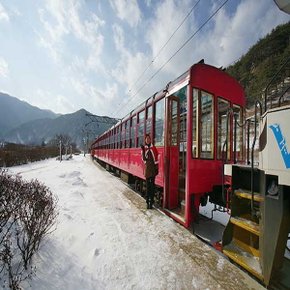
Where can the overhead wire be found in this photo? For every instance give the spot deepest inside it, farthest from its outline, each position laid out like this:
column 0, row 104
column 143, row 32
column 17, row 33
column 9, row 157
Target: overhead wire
column 161, row 49
column 177, row 51
column 164, row 45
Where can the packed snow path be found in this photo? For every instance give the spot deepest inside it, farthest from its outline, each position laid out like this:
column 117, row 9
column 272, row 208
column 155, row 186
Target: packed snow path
column 106, row 239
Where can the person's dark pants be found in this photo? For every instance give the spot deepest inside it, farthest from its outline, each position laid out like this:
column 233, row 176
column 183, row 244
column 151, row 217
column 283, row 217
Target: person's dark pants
column 150, row 191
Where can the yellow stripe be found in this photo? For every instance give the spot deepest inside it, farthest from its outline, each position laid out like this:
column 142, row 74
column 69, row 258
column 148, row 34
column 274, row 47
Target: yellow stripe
column 247, row 225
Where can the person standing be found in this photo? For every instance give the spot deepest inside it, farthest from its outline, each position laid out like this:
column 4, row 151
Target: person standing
column 150, row 159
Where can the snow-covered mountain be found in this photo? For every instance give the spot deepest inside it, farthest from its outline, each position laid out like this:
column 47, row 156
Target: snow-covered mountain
column 24, row 124
column 14, row 112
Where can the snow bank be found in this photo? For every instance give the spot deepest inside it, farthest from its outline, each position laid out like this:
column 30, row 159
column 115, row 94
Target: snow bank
column 104, row 240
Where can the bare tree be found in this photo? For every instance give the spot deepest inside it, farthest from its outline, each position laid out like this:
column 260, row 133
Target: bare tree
column 27, row 214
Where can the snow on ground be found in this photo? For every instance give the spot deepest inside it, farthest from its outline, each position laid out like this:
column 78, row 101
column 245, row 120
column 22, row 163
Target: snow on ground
column 106, row 239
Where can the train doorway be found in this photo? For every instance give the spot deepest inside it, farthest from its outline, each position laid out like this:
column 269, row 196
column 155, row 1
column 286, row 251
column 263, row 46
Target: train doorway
column 175, row 153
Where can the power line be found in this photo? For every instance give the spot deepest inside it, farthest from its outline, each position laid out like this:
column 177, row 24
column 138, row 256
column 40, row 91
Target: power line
column 181, row 47
column 164, row 45
column 176, row 52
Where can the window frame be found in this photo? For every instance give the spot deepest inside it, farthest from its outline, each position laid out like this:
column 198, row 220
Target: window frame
column 156, row 102
column 222, row 99
column 138, row 142
column 242, row 136
column 212, row 152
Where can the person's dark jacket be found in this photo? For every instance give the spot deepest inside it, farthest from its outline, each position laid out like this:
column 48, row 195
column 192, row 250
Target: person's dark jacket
column 150, row 158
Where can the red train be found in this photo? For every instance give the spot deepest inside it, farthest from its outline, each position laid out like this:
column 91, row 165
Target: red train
column 193, row 132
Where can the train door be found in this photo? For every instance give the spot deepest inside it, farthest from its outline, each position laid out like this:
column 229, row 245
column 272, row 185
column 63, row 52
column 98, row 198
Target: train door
column 172, row 152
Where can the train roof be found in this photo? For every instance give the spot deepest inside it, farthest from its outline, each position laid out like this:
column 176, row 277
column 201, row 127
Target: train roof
column 171, row 86
column 159, row 94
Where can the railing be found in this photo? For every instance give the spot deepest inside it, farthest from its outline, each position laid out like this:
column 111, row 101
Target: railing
column 257, row 104
column 274, row 79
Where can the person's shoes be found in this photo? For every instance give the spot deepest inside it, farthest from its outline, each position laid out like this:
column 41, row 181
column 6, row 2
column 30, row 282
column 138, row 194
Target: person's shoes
column 150, row 206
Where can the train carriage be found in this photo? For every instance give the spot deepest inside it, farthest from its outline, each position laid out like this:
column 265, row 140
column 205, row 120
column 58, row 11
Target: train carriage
column 193, row 132
column 197, row 124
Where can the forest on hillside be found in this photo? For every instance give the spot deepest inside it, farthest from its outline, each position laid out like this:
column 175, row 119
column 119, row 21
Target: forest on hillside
column 256, row 69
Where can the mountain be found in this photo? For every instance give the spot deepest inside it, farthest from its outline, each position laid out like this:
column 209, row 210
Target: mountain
column 74, row 125
column 262, row 62
column 25, row 124
column 14, row 112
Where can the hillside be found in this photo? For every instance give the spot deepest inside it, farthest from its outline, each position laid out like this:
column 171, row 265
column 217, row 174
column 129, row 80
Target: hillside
column 23, row 123
column 74, row 125
column 256, row 68
column 14, row 112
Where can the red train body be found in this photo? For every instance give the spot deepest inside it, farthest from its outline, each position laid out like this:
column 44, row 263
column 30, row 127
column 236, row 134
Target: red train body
column 192, row 132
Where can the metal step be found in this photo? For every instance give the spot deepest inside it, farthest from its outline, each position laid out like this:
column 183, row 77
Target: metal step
column 246, row 224
column 248, row 195
column 236, row 252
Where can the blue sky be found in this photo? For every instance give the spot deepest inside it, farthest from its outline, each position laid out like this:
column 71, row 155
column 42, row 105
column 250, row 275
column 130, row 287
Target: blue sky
column 65, row 55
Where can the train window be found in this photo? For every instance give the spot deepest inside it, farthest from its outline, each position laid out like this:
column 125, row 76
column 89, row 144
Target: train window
column 174, row 122
column 194, row 123
column 112, row 139
column 238, row 113
column 148, row 120
column 133, row 131
column 127, row 137
column 182, row 96
column 206, row 124
column 116, row 138
column 159, row 123
column 123, row 135
column 140, row 135
column 120, row 136
column 223, row 107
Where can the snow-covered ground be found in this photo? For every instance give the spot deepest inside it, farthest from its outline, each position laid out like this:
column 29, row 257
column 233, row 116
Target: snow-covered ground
column 106, row 239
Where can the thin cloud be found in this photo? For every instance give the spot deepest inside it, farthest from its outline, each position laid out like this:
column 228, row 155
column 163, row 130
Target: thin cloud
column 127, row 10
column 119, row 38
column 67, row 22
column 158, row 33
column 4, row 69
column 232, row 36
column 3, row 14
column 54, row 102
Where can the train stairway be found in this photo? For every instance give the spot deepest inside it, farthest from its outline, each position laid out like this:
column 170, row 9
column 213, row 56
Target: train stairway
column 242, row 234
column 257, row 232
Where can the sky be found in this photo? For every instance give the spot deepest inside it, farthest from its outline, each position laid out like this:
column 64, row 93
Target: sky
column 108, row 56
